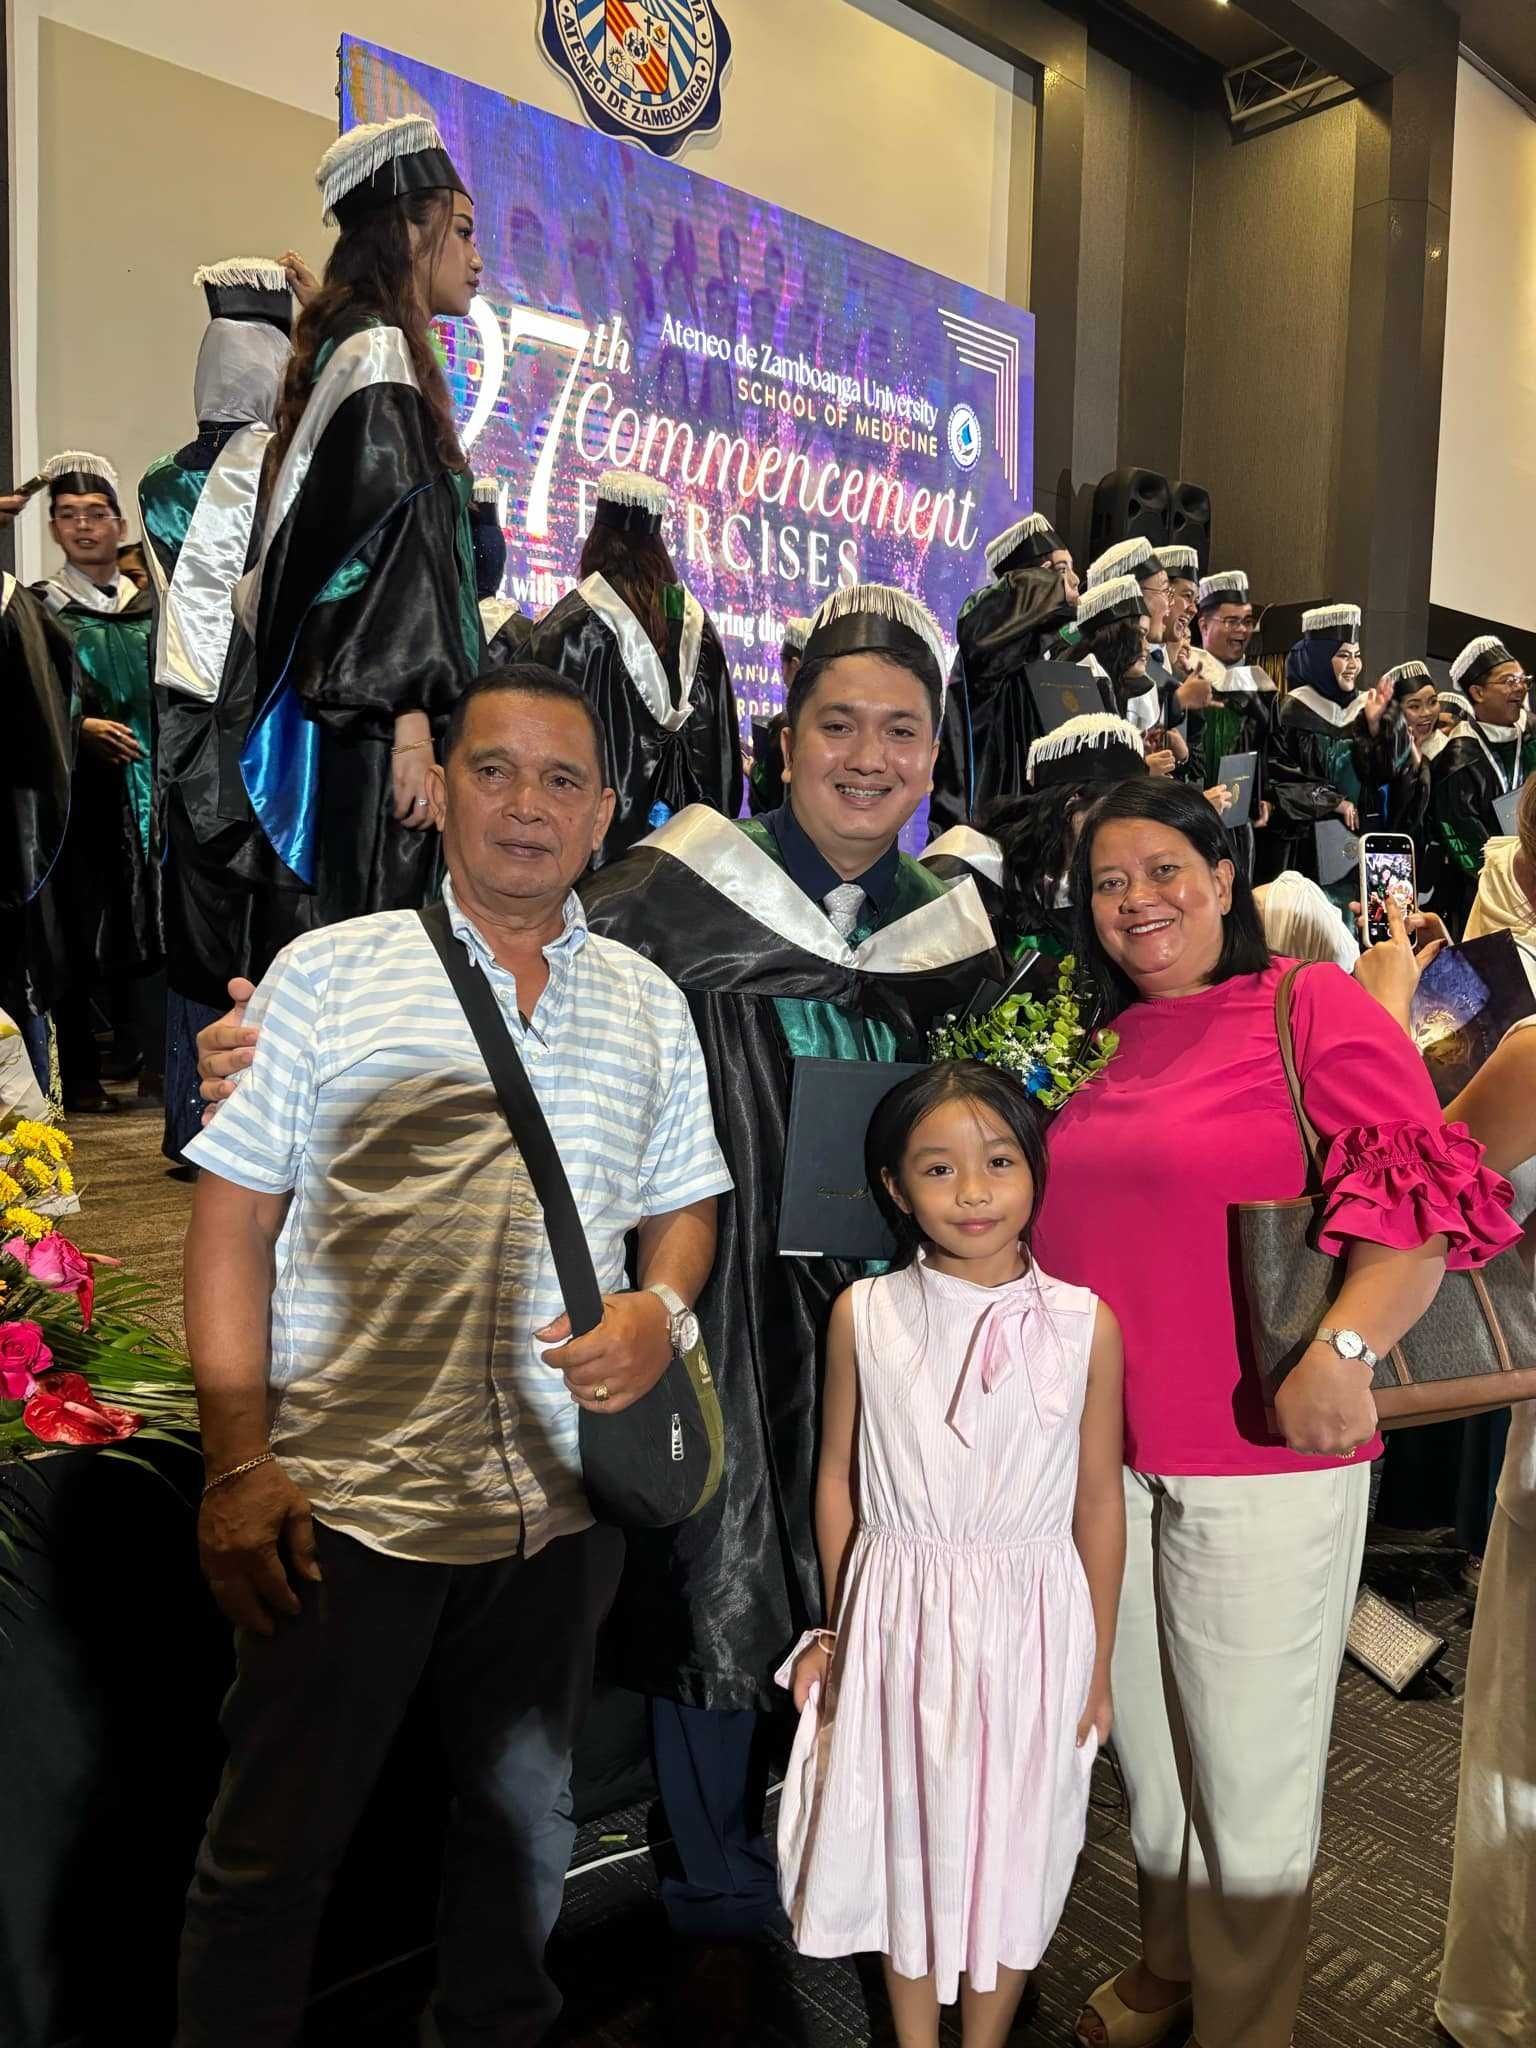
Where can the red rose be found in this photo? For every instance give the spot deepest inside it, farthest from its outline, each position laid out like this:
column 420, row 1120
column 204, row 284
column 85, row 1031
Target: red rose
column 23, row 1355
column 65, row 1411
column 55, row 1263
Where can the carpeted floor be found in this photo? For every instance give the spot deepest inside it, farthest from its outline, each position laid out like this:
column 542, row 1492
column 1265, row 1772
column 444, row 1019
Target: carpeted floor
column 1388, row 1827
column 135, row 1208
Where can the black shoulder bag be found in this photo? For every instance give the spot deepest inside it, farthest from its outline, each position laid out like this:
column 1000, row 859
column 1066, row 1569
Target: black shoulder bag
column 660, row 1461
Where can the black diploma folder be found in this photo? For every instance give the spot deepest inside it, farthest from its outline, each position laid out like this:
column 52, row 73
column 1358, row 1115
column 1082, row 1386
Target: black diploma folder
column 825, row 1207
column 1338, row 852
column 1063, row 690
column 1237, row 772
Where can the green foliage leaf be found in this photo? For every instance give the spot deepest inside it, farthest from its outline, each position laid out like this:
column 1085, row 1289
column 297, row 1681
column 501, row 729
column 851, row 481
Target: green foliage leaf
column 1041, row 1040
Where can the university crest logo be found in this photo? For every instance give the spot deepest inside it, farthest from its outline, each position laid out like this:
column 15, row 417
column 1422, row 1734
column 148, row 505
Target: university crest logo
column 647, row 70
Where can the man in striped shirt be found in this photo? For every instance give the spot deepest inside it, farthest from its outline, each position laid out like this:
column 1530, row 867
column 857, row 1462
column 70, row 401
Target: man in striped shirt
column 394, row 1483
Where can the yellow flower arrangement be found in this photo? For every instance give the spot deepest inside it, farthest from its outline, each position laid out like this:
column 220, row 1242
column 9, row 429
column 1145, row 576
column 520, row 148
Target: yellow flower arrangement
column 35, row 1137
column 85, row 1357
column 33, row 1166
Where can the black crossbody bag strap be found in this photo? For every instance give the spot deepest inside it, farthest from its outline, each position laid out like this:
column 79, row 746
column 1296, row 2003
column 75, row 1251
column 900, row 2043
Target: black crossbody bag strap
column 525, row 1120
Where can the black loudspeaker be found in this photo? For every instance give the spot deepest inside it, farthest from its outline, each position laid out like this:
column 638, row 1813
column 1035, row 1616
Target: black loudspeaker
column 1189, row 521
column 1129, row 504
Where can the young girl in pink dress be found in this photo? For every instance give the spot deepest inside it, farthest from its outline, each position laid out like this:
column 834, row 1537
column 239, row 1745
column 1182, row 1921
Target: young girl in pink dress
column 970, row 1520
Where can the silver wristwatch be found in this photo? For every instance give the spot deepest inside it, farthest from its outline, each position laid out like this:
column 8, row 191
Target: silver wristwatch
column 1350, row 1345
column 685, row 1324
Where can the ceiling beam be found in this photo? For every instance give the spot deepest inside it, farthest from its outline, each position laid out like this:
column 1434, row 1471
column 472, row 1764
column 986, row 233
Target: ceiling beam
column 1364, row 41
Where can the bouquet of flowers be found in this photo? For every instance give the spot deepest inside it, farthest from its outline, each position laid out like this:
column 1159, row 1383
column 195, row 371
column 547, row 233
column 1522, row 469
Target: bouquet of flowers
column 1040, row 1039
column 82, row 1360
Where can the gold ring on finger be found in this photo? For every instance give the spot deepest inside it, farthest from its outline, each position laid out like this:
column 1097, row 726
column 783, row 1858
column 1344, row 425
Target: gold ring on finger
column 600, row 1393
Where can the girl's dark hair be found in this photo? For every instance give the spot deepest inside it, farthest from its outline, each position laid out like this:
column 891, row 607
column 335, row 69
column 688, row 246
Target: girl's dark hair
column 371, row 276
column 1035, row 833
column 1410, row 686
column 639, row 568
column 1117, row 646
column 900, row 1113
column 1157, row 801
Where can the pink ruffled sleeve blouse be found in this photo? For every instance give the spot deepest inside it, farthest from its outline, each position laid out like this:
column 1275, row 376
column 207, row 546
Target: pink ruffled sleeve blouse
column 1192, row 1116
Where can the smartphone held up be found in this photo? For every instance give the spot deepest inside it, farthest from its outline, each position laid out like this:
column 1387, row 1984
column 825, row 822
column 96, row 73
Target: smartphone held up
column 1387, row 876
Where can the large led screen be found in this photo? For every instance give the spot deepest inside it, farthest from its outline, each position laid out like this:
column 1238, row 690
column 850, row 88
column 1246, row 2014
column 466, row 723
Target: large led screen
column 823, row 411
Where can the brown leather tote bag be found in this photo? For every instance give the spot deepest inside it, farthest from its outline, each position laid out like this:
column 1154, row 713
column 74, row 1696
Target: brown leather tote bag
column 1473, row 1349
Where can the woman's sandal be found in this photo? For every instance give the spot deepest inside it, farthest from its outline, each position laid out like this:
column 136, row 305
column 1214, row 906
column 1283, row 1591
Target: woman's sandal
column 1123, row 2026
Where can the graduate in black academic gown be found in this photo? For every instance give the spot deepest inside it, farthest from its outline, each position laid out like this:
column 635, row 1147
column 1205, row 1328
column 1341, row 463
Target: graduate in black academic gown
column 362, row 604
column 765, row 768
column 1174, row 650
column 1338, row 752
column 109, row 870
column 1483, row 763
column 1020, row 853
column 646, row 653
column 507, row 629
column 989, row 717
column 1414, row 703
column 1168, row 678
column 1112, row 625
column 198, row 509
column 42, row 712
column 850, row 950
column 1240, row 718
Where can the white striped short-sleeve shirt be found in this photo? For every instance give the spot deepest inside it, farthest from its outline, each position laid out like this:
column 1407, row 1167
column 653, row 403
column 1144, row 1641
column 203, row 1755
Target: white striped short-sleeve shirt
column 409, row 1397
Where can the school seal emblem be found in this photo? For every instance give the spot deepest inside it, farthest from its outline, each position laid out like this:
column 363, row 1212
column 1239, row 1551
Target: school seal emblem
column 647, row 70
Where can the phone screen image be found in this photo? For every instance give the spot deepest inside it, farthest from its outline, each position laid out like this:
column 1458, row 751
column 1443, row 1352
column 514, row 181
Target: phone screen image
column 1388, row 879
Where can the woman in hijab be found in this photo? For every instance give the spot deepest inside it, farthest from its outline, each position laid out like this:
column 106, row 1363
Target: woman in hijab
column 1336, row 754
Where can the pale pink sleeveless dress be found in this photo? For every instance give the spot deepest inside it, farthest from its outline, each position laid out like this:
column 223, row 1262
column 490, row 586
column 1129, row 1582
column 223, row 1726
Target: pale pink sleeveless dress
column 935, row 1801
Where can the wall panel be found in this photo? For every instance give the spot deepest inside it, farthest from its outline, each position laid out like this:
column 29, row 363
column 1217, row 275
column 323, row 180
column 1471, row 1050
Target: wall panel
column 1269, row 279
column 1487, row 464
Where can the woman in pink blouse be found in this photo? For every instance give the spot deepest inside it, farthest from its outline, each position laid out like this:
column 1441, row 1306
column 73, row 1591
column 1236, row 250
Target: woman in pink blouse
column 1243, row 1547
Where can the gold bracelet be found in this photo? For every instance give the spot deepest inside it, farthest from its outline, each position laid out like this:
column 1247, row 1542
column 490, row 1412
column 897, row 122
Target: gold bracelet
column 410, row 746
column 234, row 1472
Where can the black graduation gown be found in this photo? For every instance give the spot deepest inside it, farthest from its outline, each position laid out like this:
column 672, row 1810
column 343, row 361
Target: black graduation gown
column 365, row 609
column 41, row 685
column 660, row 758
column 1171, row 715
column 109, row 870
column 507, row 632
column 1240, row 721
column 962, row 851
column 989, row 716
column 707, row 1611
column 218, row 867
column 1410, row 814
column 1466, row 779
column 1315, row 761
column 765, row 777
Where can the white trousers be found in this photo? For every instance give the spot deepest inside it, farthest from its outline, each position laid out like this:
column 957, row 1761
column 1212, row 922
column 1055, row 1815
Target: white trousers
column 1236, row 1605
column 1488, row 1984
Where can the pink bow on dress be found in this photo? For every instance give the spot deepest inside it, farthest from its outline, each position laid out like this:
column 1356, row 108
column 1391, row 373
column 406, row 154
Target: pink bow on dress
column 1012, row 1334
